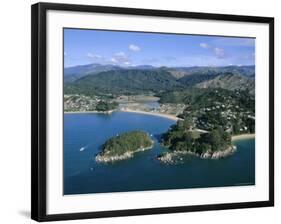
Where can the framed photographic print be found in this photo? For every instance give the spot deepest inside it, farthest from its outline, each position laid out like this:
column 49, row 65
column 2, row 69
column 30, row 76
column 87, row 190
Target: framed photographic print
column 138, row 111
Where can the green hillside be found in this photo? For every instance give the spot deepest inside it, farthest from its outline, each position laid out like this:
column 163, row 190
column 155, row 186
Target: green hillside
column 229, row 81
column 145, row 79
column 124, row 82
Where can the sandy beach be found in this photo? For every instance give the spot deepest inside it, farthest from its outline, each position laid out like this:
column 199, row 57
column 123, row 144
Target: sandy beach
column 242, row 136
column 89, row 112
column 169, row 116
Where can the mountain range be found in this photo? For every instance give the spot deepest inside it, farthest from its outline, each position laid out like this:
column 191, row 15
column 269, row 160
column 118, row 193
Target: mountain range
column 107, row 79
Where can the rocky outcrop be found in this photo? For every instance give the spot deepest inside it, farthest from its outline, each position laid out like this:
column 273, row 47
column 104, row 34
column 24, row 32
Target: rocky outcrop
column 218, row 154
column 103, row 158
column 175, row 157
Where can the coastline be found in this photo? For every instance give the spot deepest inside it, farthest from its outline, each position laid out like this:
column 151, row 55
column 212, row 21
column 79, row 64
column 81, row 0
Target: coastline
column 242, row 136
column 100, row 158
column 171, row 157
column 168, row 116
column 89, row 112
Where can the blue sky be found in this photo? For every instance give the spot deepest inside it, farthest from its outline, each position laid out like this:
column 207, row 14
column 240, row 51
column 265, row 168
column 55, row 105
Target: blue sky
column 136, row 48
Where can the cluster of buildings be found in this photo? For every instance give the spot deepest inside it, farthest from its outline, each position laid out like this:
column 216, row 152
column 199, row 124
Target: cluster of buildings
column 168, row 108
column 80, row 103
column 229, row 115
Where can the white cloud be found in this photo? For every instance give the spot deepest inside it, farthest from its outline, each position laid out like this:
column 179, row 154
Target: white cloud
column 93, row 56
column 113, row 60
column 219, row 52
column 121, row 54
column 134, row 48
column 204, row 45
column 120, row 58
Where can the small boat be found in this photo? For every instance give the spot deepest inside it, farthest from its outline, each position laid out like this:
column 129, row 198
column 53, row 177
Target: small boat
column 82, row 149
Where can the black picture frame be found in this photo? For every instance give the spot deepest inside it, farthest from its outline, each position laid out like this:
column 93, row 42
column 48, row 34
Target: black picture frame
column 38, row 108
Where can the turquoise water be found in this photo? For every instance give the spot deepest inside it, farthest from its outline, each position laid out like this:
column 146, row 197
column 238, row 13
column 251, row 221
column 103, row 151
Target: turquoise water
column 85, row 133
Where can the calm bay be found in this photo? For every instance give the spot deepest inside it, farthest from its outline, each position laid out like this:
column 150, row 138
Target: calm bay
column 85, row 133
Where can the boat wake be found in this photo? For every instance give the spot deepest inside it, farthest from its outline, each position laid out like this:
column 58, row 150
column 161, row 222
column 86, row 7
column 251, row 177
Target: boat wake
column 83, row 148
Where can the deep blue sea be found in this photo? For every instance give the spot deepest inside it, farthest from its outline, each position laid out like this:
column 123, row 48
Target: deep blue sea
column 84, row 135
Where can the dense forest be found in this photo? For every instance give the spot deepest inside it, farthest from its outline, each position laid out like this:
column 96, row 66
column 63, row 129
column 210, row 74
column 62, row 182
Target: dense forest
column 106, row 106
column 181, row 138
column 114, row 80
column 126, row 142
column 125, row 82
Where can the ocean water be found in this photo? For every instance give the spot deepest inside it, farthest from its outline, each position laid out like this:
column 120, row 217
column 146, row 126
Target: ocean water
column 84, row 135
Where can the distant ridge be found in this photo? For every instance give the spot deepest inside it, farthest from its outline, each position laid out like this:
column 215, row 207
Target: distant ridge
column 75, row 72
column 229, row 81
column 179, row 72
column 126, row 81
column 112, row 79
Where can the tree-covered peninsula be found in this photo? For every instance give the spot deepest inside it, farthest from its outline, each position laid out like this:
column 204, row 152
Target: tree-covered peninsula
column 180, row 139
column 124, row 146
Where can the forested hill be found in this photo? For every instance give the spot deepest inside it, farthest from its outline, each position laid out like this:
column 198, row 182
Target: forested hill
column 230, row 82
column 179, row 72
column 110, row 79
column 125, row 82
column 74, row 73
